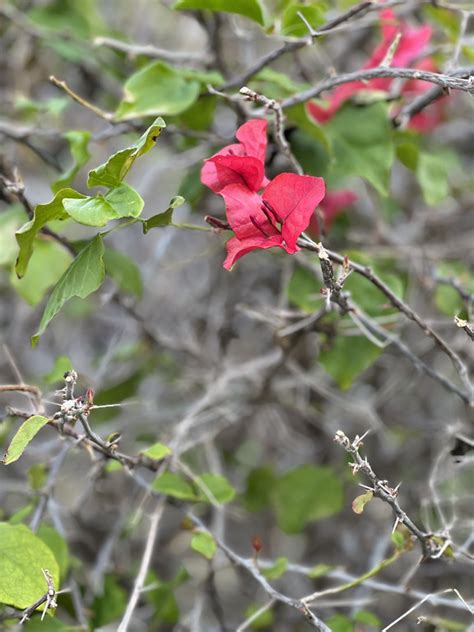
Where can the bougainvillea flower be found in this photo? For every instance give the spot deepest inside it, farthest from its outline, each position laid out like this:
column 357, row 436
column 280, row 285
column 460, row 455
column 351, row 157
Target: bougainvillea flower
column 274, row 219
column 412, row 44
column 239, row 163
column 333, row 205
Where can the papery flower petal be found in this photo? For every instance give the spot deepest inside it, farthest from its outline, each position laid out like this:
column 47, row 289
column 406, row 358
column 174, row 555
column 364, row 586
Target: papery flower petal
column 244, row 212
column 237, row 248
column 253, row 136
column 244, row 170
column 412, row 43
column 209, row 171
column 294, row 199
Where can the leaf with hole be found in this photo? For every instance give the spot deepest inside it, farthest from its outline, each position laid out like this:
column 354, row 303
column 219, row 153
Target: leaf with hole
column 113, row 171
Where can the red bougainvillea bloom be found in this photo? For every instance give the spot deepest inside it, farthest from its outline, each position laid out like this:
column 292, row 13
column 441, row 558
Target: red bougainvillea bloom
column 275, row 219
column 239, row 163
column 413, row 42
column 334, row 203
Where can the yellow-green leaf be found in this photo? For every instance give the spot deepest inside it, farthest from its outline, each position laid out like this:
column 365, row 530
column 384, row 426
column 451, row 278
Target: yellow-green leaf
column 26, row 433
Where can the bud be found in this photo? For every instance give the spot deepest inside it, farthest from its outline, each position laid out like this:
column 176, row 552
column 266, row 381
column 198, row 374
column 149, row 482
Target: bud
column 257, row 544
column 90, row 396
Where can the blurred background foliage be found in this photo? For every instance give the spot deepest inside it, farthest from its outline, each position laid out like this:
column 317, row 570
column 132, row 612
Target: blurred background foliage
column 185, row 349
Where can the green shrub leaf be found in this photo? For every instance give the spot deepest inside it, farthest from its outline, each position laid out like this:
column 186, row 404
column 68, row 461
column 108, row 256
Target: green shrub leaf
column 24, row 555
column 121, row 201
column 84, row 276
column 347, row 358
column 113, row 171
column 157, row 89
column 252, row 9
column 363, row 144
column 204, row 543
column 26, row 433
column 304, row 494
column 78, row 143
column 165, row 218
column 44, row 213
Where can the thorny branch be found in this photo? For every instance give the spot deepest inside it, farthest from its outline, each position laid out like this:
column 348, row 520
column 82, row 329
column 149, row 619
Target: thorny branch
column 383, row 490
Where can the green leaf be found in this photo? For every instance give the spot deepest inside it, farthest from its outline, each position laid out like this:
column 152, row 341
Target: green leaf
column 84, row 276
column 200, row 115
column 446, row 297
column 121, row 201
column 165, row 218
column 359, row 503
column 21, row 514
column 10, row 220
column 260, row 482
column 293, row 26
column 363, row 144
column 277, row 85
column 124, row 272
column 110, row 605
column 264, row 620
column 252, row 9
column 320, row 570
column 304, row 494
column 54, row 625
column 57, row 544
column 44, row 213
column 347, row 358
column 157, row 451
column 204, row 543
column 23, row 556
column 157, row 89
column 277, row 569
column 340, row 623
column 432, row 173
column 162, row 598
column 113, row 171
column 26, row 433
column 303, row 290
column 78, row 142
column 61, row 365
column 408, row 154
column 219, row 487
column 369, row 618
column 48, row 262
column 299, row 115
column 174, row 485
column 398, row 540
column 37, row 475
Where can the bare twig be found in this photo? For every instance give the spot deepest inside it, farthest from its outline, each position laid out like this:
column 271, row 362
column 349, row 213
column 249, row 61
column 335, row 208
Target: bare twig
column 145, row 564
column 279, row 131
column 107, row 116
column 295, row 45
column 148, row 50
column 401, row 306
column 251, row 568
column 444, row 81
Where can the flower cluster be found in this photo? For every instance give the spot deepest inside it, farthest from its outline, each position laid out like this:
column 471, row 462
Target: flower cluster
column 261, row 213
column 410, row 47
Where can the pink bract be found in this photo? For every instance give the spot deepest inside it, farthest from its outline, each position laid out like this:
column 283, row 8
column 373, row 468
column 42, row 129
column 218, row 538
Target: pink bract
column 239, row 163
column 412, row 44
column 275, row 219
